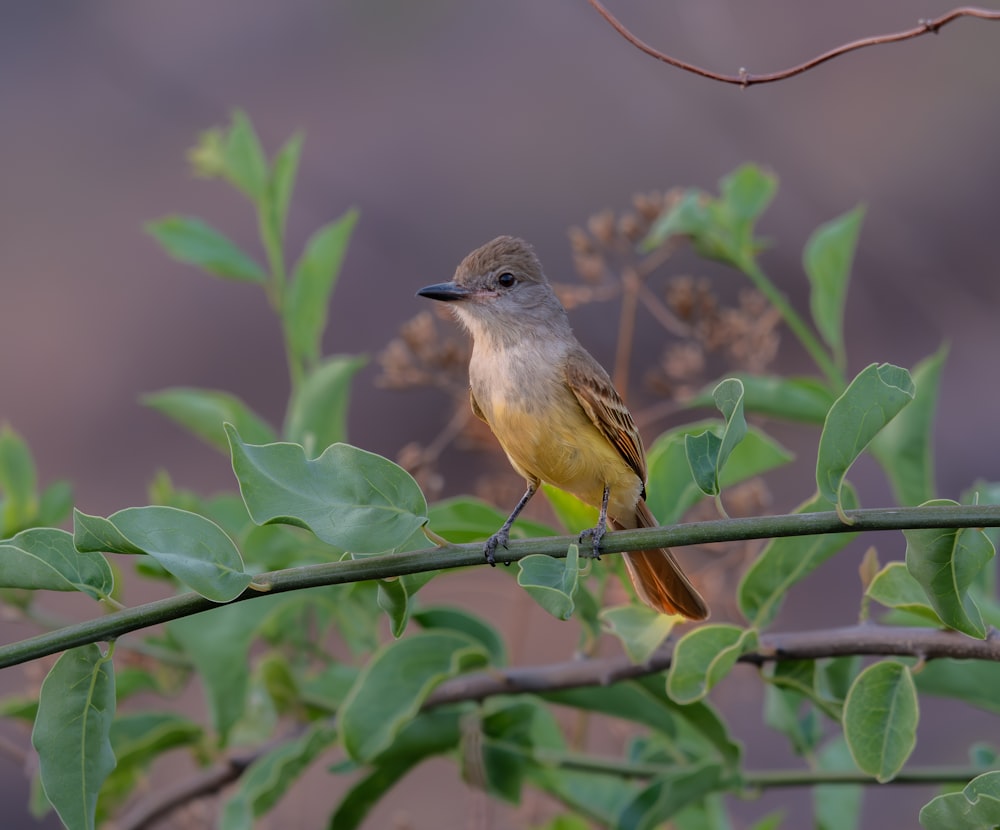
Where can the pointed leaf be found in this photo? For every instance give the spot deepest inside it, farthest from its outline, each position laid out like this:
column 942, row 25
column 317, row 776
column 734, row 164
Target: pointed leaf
column 270, row 776
column 895, row 587
column 827, row 259
column 274, row 211
column 703, row 657
column 976, row 807
column 786, row 561
column 667, row 794
column 218, row 644
column 192, row 548
column 317, row 413
column 792, row 399
column 44, row 558
column 671, row 491
column 245, row 163
column 350, row 498
column 551, row 582
column 904, row 448
column 204, row 411
column 871, row 400
column 391, row 688
column 75, row 710
column 18, row 483
column 702, row 453
column 445, row 618
column 946, row 563
column 465, row 519
column 641, row 629
column 707, row 454
column 188, row 239
column 313, row 281
column 880, row 719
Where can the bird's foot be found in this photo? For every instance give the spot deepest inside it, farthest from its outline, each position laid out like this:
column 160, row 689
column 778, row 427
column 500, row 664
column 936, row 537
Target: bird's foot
column 498, row 539
column 595, row 534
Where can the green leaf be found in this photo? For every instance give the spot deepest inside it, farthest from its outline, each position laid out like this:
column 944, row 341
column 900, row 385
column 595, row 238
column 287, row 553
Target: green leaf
column 350, row 498
column 192, row 548
column 977, row 807
column 671, row 491
column 75, row 710
column 313, row 281
column 572, row 513
column 463, row 519
column 393, row 599
column 827, row 259
column 880, row 719
column 707, row 454
column 245, row 163
column 394, row 684
column 669, row 793
column 218, row 644
column 551, row 582
column 45, row 559
column 872, row 399
column 946, row 562
column 140, row 737
column 720, row 228
column 894, row 587
column 190, row 240
column 786, row 561
column 640, row 629
column 837, row 806
column 317, row 412
column 204, row 411
column 269, row 777
column 972, row 681
column 445, row 618
column 429, row 734
column 703, row 657
column 904, row 448
column 18, row 483
column 281, row 182
column 55, row 504
column 791, row 399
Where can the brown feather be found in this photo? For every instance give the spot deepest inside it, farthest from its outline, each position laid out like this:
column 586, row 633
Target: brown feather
column 658, row 579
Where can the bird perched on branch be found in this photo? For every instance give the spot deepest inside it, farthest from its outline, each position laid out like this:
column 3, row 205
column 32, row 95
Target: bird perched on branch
column 554, row 410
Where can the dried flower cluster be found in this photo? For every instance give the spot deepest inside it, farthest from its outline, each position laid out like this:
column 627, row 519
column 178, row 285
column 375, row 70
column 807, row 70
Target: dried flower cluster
column 707, row 338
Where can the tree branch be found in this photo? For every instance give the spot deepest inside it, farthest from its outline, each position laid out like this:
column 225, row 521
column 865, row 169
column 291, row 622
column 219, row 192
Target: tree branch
column 878, row 640
column 924, row 643
column 745, row 79
column 390, row 565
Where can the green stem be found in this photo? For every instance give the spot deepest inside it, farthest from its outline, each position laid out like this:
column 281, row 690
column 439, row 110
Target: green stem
column 799, row 328
column 458, row 556
column 761, row 779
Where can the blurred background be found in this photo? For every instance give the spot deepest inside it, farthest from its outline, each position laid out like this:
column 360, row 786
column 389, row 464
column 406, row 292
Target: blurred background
column 447, row 123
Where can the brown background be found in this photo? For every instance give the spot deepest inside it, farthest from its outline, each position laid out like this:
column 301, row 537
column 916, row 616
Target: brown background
column 447, row 123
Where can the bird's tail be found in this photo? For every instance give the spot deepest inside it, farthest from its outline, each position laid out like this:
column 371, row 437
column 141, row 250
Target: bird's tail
column 656, row 576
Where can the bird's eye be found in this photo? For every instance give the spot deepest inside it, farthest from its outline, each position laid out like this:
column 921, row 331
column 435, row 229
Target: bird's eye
column 506, row 280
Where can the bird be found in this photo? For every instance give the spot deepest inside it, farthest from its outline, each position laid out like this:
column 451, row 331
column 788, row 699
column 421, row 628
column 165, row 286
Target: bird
column 555, row 411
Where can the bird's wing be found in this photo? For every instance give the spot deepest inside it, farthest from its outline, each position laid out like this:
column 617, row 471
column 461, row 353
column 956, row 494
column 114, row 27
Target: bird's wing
column 597, row 396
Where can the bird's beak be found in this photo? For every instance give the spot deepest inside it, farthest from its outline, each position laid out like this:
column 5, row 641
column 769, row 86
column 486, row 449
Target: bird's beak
column 446, row 291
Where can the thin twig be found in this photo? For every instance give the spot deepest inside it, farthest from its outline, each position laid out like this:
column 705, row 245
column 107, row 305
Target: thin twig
column 745, row 79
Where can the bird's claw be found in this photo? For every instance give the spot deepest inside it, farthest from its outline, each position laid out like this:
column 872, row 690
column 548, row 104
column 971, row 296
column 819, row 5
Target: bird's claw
column 595, row 534
column 495, row 541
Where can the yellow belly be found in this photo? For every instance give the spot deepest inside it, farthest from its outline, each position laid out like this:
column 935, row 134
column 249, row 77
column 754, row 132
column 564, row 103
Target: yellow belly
column 559, row 445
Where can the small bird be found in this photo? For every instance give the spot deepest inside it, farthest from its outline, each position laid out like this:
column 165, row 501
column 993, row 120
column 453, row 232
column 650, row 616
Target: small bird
column 554, row 410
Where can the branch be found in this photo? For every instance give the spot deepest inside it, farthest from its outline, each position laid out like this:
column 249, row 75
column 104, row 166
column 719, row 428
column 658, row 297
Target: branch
column 924, row 643
column 391, row 565
column 877, row 640
column 745, row 79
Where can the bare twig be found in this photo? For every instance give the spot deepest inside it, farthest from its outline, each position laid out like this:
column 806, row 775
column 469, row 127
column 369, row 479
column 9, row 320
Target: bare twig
column 745, row 79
